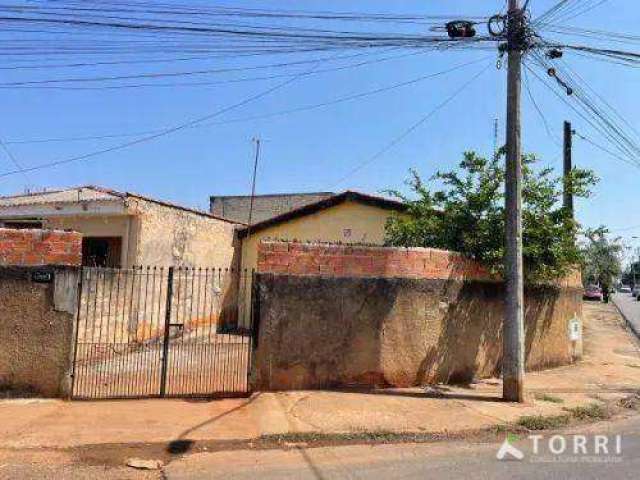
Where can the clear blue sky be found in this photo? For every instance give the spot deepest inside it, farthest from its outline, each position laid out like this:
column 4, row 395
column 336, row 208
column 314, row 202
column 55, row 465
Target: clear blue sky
column 312, row 150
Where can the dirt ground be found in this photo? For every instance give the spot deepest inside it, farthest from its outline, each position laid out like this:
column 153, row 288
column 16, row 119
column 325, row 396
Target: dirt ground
column 56, row 439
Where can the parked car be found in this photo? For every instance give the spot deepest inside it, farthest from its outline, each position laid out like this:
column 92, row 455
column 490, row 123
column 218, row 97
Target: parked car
column 593, row 292
column 636, row 291
column 624, row 289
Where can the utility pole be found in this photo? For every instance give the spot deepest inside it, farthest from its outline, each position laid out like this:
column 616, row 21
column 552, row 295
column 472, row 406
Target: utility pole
column 495, row 137
column 568, row 166
column 513, row 327
column 253, row 184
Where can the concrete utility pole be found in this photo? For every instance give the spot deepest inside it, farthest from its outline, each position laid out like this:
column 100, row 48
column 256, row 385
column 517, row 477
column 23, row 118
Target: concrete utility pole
column 567, row 199
column 513, row 329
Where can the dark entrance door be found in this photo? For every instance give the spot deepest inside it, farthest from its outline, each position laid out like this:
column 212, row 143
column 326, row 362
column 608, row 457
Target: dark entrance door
column 101, row 252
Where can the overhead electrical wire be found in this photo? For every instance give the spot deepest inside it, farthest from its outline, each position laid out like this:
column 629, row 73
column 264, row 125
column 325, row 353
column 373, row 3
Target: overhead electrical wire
column 396, row 140
column 588, row 111
column 38, row 83
column 89, row 34
column 154, row 136
column 538, row 109
column 303, row 108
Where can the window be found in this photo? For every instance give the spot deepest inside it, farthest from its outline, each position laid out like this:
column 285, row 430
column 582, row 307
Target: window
column 22, row 224
column 101, row 251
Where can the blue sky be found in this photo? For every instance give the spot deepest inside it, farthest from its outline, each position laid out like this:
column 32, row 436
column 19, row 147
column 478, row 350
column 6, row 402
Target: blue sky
column 313, row 150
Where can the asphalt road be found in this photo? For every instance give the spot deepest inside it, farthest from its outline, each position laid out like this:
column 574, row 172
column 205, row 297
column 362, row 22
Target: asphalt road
column 630, row 308
column 443, row 460
column 447, row 460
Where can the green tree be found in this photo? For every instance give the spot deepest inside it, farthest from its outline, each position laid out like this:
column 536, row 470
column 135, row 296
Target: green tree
column 466, row 214
column 602, row 257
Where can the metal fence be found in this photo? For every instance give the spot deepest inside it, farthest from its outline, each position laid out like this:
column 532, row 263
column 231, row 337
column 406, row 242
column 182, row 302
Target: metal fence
column 151, row 332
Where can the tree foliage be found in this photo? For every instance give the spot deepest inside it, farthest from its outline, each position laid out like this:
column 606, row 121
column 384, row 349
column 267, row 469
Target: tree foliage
column 602, row 258
column 467, row 214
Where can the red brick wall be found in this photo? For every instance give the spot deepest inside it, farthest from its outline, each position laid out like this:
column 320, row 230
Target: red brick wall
column 357, row 261
column 29, row 248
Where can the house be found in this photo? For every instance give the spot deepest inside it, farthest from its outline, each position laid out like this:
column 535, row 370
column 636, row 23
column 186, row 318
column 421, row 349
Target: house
column 348, row 217
column 123, row 229
column 236, row 207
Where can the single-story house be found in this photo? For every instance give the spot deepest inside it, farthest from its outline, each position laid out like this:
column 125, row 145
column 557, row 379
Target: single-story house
column 348, row 217
column 123, row 229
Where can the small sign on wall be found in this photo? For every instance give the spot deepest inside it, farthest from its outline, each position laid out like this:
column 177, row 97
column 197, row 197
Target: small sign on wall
column 575, row 330
column 42, row 276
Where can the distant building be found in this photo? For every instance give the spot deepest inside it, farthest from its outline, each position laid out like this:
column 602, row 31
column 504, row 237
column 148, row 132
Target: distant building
column 236, row 208
column 123, row 229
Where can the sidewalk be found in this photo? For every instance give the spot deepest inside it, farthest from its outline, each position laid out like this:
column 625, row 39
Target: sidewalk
column 609, row 370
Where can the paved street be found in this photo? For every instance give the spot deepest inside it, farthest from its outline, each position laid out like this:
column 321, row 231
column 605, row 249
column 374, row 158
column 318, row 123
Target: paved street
column 455, row 460
column 630, row 308
column 443, row 460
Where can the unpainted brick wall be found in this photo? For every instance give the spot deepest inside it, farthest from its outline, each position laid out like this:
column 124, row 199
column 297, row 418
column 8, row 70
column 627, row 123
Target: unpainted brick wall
column 369, row 261
column 363, row 261
column 32, row 248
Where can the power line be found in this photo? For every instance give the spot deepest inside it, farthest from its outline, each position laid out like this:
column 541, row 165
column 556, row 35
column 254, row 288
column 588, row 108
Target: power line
column 14, row 160
column 409, row 130
column 606, row 150
column 538, row 110
column 157, row 135
column 266, row 115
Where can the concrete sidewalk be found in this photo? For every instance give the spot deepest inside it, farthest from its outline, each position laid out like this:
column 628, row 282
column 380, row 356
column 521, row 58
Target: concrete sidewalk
column 610, row 370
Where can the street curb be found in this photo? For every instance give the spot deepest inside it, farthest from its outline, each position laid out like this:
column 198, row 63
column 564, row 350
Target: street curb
column 628, row 322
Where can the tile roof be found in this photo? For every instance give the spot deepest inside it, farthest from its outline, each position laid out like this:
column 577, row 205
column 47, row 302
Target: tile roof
column 91, row 193
column 69, row 195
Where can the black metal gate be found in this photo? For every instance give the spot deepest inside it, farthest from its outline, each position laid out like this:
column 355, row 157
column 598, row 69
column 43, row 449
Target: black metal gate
column 162, row 332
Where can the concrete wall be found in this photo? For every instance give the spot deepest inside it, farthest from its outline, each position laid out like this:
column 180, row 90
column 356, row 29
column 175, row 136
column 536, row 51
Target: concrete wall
column 36, row 332
column 166, row 236
column 38, row 302
column 431, row 317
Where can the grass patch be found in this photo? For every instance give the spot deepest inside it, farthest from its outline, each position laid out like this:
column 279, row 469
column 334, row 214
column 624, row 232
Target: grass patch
column 548, row 398
column 593, row 411
column 542, row 422
column 380, row 436
column 315, row 437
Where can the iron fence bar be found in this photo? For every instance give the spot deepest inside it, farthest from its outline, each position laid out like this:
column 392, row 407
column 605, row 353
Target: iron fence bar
column 167, row 321
column 120, row 335
column 200, row 347
column 137, row 378
column 250, row 319
column 202, row 307
column 191, row 340
column 143, row 355
column 77, row 336
column 88, row 340
column 156, row 357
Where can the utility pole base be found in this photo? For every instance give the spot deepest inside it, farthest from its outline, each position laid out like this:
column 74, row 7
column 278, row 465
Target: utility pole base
column 513, row 390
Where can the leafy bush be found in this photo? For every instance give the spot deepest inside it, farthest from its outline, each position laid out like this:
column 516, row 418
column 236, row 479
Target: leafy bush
column 467, row 215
